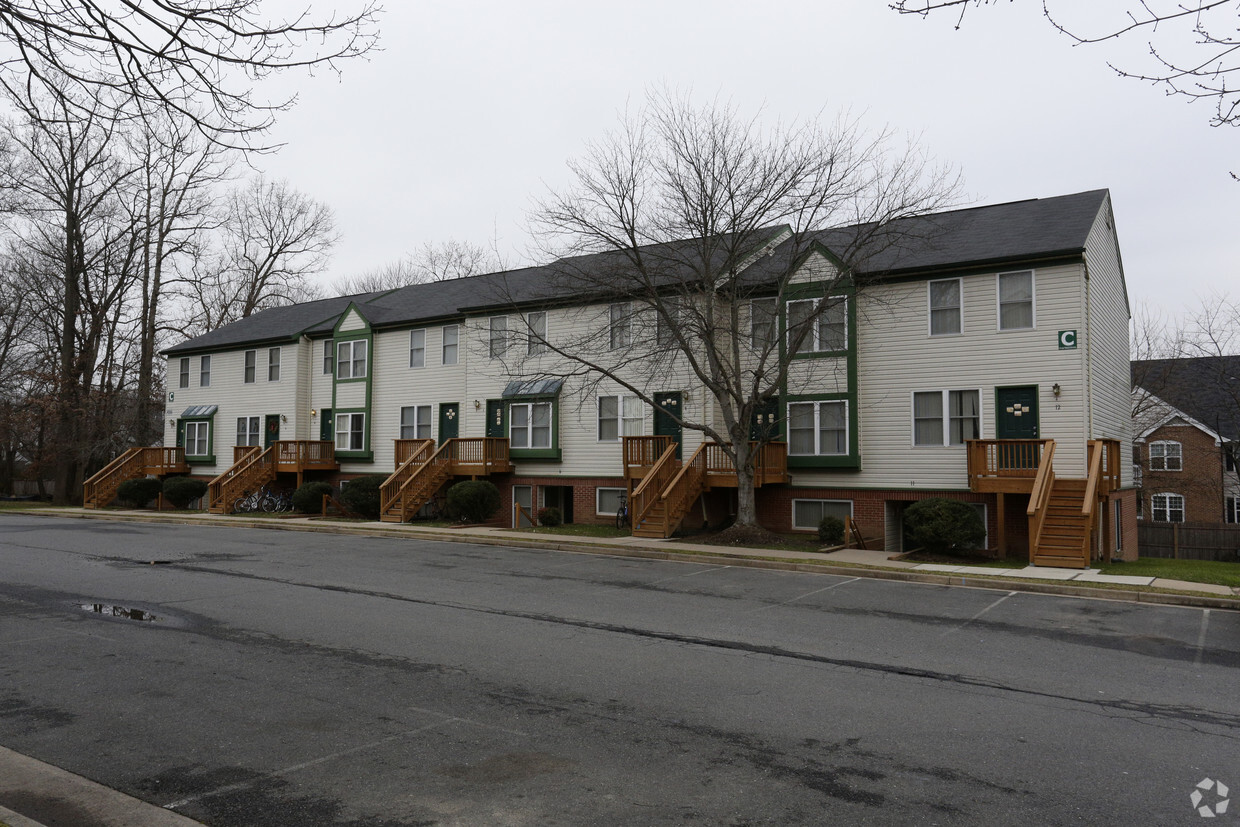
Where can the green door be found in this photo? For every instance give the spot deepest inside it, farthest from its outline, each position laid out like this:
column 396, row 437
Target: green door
column 272, row 432
column 1016, row 412
column 495, row 418
column 667, row 412
column 449, row 421
column 327, row 429
column 765, row 422
column 180, row 433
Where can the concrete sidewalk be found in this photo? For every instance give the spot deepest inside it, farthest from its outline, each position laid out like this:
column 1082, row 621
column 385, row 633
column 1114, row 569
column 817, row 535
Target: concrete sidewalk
column 854, row 562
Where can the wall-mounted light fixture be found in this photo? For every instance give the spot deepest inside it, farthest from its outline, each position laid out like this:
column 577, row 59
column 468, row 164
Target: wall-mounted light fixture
column 313, row 413
column 1055, row 389
column 283, row 418
column 477, row 405
column 172, row 423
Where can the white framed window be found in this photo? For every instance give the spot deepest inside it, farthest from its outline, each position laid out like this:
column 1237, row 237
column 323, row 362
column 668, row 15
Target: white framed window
column 607, row 501
column 250, row 362
column 666, row 323
column 620, row 325
column 1167, row 508
column 807, row 514
column 415, row 422
column 451, row 340
column 417, row 348
column 351, row 432
column 204, row 372
column 529, row 425
column 946, row 309
column 351, row 359
column 329, row 357
column 249, row 430
column 619, row 416
column 273, row 364
column 536, row 342
column 1166, row 455
column 184, row 378
column 197, row 438
column 946, row 417
column 818, row 428
column 1231, row 510
column 499, row 336
column 1016, row 300
column 1229, row 456
column 763, row 323
column 828, row 326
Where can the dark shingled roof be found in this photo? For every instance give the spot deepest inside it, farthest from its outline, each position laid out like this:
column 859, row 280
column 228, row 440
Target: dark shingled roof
column 1020, row 231
column 1207, row 388
column 275, row 325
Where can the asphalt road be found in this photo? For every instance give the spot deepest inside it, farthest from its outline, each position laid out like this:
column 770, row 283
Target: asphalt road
column 307, row 679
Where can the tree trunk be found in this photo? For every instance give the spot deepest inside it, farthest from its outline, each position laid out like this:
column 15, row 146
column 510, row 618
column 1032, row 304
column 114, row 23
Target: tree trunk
column 746, row 496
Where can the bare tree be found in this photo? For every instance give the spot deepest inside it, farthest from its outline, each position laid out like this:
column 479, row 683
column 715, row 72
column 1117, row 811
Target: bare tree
column 685, row 220
column 271, row 241
column 197, row 59
column 433, row 261
column 1193, row 45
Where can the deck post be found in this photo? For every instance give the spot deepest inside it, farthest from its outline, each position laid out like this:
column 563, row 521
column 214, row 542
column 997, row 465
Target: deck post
column 1001, row 516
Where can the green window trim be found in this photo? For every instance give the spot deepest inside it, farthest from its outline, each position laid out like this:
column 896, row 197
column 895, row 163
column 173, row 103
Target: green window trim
column 198, row 459
column 809, row 291
column 553, row 453
column 363, row 455
column 850, row 460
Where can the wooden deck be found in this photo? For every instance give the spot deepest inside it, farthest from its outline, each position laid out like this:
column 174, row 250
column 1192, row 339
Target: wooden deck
column 156, row 461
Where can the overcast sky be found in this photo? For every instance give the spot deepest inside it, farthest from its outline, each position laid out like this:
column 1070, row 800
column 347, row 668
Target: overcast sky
column 473, row 108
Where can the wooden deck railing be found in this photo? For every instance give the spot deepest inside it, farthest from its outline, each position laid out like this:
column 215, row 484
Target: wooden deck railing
column 240, row 452
column 1040, row 496
column 770, row 462
column 102, row 486
column 684, row 489
column 474, row 456
column 410, row 455
column 650, row 490
column 1004, row 464
column 405, row 449
column 254, row 469
column 305, row 454
column 480, row 455
column 643, row 451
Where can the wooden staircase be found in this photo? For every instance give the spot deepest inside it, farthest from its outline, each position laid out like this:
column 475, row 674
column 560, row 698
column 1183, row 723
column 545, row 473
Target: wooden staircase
column 101, row 488
column 1063, row 512
column 251, row 470
column 424, row 471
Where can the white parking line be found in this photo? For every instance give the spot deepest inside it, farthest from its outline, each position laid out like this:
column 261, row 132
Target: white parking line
column 803, row 596
column 1201, row 636
column 960, row 626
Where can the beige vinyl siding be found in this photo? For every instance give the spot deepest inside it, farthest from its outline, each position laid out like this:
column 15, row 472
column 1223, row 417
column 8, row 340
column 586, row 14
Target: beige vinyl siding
column 235, row 399
column 897, row 357
column 1110, row 413
column 352, row 321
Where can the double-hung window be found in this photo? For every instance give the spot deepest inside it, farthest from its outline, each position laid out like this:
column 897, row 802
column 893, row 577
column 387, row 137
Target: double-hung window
column 417, row 348
column 251, row 359
column 619, row 416
column 329, row 357
column 415, row 422
column 249, row 431
column 807, row 514
column 451, row 340
column 184, row 378
column 1232, row 510
column 499, row 336
column 945, row 307
column 824, row 322
column 529, row 425
column 351, row 432
column 818, row 428
column 1167, row 508
column 273, row 364
column 536, row 341
column 946, row 417
column 351, row 359
column 762, row 323
column 197, row 438
column 1166, row 456
column 620, row 325
column 667, row 321
column 204, row 372
column 1016, row 300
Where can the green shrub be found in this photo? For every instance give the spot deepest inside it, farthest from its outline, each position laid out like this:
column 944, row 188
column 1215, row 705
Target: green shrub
column 181, row 491
column 473, row 501
column 308, row 499
column 362, row 495
column 831, row 531
column 550, row 517
column 944, row 525
column 139, row 492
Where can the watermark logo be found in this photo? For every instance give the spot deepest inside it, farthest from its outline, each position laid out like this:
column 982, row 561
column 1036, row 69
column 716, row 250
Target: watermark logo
column 1210, row 798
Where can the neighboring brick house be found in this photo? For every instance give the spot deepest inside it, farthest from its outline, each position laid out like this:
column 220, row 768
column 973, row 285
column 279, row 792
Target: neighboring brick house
column 1186, row 432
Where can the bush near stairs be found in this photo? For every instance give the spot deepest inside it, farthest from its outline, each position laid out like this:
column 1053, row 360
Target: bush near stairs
column 181, row 491
column 362, row 495
column 140, row 491
column 944, row 526
column 473, row 501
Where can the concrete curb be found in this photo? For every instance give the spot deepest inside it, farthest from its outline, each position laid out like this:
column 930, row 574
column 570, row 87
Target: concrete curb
column 751, row 558
column 59, row 797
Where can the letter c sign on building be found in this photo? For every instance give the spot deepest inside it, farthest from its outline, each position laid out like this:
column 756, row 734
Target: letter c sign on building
column 1067, row 340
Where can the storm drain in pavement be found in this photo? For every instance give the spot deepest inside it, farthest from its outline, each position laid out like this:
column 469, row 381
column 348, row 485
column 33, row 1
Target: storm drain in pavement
column 119, row 611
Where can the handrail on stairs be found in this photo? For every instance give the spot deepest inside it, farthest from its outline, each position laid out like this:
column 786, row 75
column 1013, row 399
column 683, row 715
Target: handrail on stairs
column 1040, row 496
column 648, row 493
